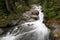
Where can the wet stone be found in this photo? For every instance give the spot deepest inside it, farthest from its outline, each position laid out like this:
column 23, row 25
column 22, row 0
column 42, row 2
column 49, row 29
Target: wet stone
column 1, row 31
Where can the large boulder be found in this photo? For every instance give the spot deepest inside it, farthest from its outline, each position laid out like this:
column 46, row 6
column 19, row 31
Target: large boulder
column 34, row 12
column 54, row 26
column 30, row 16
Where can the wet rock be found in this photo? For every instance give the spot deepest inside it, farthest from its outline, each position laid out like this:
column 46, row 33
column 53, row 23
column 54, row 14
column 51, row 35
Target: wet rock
column 26, row 16
column 34, row 12
column 14, row 22
column 34, row 17
column 1, row 31
column 30, row 16
column 30, row 20
column 26, row 27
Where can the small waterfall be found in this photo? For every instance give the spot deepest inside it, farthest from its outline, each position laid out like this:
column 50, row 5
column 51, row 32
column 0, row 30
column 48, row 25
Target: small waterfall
column 30, row 30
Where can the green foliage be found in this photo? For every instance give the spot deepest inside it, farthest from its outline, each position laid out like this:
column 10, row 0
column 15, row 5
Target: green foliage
column 51, row 8
column 2, row 7
column 33, row 1
column 3, row 13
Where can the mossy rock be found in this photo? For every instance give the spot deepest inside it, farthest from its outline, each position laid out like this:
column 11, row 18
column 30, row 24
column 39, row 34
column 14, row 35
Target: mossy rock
column 3, row 21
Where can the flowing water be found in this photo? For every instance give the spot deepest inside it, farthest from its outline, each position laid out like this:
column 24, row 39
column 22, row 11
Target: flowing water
column 30, row 30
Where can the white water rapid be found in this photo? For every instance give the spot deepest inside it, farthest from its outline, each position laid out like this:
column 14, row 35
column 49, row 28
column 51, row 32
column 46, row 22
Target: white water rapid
column 38, row 30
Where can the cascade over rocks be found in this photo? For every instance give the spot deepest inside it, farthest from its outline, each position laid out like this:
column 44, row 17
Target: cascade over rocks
column 33, row 30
